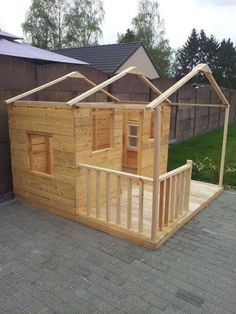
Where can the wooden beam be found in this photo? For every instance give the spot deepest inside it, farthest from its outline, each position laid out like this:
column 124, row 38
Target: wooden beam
column 198, row 105
column 116, row 172
column 156, row 174
column 37, row 89
column 102, row 90
column 100, row 86
column 217, row 89
column 199, row 68
column 110, row 105
column 152, row 86
column 222, row 162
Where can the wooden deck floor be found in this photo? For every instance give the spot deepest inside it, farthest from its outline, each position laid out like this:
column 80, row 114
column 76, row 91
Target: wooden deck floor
column 201, row 194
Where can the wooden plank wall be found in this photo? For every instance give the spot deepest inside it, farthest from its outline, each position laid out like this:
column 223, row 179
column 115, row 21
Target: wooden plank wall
column 107, row 158
column 146, row 158
column 55, row 192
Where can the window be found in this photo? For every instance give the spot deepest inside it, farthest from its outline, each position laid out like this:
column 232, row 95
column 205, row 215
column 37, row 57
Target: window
column 133, row 135
column 102, row 124
column 40, row 152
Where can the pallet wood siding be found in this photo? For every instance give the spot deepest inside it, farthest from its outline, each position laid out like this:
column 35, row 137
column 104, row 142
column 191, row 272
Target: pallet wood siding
column 55, row 192
column 140, row 161
column 108, row 157
column 146, row 159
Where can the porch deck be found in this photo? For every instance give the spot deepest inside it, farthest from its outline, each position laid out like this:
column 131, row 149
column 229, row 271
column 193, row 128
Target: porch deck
column 201, row 194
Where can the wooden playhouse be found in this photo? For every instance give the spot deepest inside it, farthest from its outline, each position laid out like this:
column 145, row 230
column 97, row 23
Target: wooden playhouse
column 104, row 164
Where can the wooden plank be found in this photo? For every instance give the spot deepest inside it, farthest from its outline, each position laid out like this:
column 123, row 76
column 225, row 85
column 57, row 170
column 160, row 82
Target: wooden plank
column 188, row 185
column 118, row 191
column 159, row 100
column 97, row 194
column 161, row 205
column 172, row 199
column 107, row 196
column 100, row 86
column 140, row 207
column 167, row 203
column 156, row 174
column 88, row 173
column 116, row 172
column 129, row 203
column 32, row 91
column 223, row 151
column 198, row 105
column 111, row 105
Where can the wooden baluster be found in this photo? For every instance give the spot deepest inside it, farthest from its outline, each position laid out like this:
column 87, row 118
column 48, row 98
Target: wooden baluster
column 107, row 196
column 172, row 199
column 97, row 194
column 188, row 185
column 88, row 175
column 118, row 200
column 177, row 192
column 167, row 203
column 140, row 208
column 129, row 210
column 181, row 194
column 161, row 203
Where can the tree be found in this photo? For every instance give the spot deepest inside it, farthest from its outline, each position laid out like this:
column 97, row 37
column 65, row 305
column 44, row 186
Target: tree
column 199, row 48
column 128, row 37
column 148, row 27
column 188, row 56
column 40, row 25
column 226, row 64
column 54, row 24
column 83, row 22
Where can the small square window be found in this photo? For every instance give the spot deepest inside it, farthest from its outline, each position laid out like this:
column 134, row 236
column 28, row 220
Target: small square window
column 133, row 135
column 40, row 153
column 133, row 141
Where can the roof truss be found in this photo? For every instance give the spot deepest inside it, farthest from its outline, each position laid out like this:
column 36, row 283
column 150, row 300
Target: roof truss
column 200, row 68
column 74, row 74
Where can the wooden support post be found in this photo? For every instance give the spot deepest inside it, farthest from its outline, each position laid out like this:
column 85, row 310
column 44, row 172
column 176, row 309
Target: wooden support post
column 222, row 162
column 156, row 173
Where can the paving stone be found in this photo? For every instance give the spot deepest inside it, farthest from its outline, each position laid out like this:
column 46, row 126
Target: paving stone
column 23, row 299
column 60, row 266
column 37, row 308
column 6, row 303
column 17, row 310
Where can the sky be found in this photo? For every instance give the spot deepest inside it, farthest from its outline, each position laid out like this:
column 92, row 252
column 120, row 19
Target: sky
column 217, row 17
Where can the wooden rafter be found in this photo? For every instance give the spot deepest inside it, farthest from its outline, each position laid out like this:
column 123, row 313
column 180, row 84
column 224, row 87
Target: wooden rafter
column 130, row 70
column 199, row 68
column 74, row 74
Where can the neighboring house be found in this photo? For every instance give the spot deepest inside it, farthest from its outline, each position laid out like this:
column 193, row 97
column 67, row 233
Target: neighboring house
column 9, row 46
column 114, row 58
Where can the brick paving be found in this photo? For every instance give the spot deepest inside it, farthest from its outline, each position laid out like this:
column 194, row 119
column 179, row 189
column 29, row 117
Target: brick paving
column 52, row 265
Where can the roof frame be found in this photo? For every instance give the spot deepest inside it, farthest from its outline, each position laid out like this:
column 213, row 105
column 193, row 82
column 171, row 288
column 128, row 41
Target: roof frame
column 130, row 70
column 200, row 68
column 74, row 74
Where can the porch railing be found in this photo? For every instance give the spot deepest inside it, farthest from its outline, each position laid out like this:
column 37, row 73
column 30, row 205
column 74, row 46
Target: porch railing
column 125, row 200
column 174, row 194
column 115, row 195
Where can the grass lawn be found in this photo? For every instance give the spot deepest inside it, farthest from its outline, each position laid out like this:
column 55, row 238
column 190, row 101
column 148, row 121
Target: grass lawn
column 208, row 145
